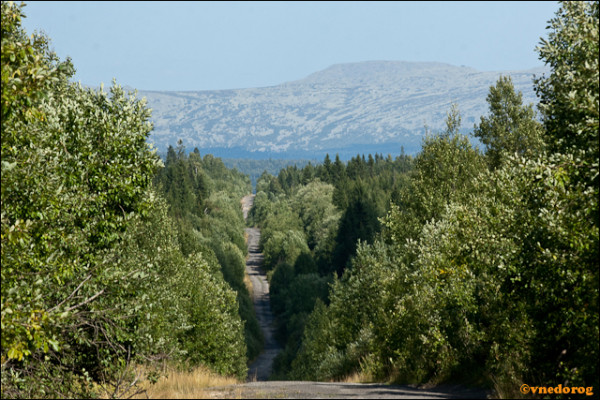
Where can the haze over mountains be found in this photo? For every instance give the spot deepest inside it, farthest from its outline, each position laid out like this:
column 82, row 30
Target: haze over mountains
column 375, row 106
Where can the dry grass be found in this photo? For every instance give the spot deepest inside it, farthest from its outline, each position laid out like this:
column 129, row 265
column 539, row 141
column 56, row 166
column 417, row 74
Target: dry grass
column 248, row 284
column 357, row 377
column 188, row 385
column 247, row 280
column 505, row 390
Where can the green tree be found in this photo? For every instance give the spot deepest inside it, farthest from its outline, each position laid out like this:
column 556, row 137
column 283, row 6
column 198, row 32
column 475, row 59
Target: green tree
column 485, row 271
column 444, row 170
column 76, row 171
column 210, row 222
column 93, row 279
column 510, row 128
column 569, row 96
column 284, row 247
column 359, row 222
column 314, row 205
column 29, row 70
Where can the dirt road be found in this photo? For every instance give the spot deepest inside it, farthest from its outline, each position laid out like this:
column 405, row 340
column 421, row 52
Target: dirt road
column 247, row 202
column 326, row 390
column 260, row 369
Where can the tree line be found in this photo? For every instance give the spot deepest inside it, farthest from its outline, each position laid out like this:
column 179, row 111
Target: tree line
column 255, row 168
column 459, row 264
column 311, row 220
column 111, row 257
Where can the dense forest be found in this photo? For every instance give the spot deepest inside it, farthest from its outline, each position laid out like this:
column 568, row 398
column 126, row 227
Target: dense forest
column 311, row 221
column 457, row 265
column 111, row 257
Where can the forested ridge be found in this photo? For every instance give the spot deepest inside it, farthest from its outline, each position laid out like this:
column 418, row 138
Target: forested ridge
column 453, row 265
column 458, row 264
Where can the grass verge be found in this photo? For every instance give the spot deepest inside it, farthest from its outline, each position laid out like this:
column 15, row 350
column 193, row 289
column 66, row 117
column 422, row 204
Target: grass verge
column 182, row 384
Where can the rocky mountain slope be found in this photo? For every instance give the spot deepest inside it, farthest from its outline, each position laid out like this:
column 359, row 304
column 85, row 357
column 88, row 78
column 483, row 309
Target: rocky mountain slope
column 374, row 106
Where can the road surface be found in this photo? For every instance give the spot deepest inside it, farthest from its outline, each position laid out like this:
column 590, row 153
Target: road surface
column 328, row 390
column 260, row 369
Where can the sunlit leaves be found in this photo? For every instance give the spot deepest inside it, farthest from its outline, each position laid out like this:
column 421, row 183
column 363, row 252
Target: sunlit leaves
column 569, row 95
column 485, row 274
column 510, row 128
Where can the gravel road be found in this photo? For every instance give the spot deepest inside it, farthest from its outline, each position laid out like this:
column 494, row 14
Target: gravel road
column 327, row 390
column 259, row 388
column 260, row 369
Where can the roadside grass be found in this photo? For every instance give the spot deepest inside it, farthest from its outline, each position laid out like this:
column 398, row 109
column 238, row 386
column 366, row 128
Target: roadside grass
column 357, row 377
column 504, row 389
column 248, row 284
column 247, row 280
column 177, row 383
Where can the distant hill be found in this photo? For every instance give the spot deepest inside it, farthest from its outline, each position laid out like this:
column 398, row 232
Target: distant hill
column 375, row 106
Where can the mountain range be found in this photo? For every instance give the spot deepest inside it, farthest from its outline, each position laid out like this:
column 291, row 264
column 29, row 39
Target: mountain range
column 374, row 106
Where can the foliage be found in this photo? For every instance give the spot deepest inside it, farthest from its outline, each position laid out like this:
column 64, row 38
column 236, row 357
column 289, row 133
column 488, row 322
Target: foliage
column 94, row 275
column 313, row 202
column 484, row 274
column 283, row 247
column 75, row 173
column 359, row 222
column 511, row 127
column 29, row 70
column 204, row 199
column 445, row 169
column 310, row 222
column 569, row 96
column 189, row 311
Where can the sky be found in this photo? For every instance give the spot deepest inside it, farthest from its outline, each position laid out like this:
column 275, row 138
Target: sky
column 229, row 45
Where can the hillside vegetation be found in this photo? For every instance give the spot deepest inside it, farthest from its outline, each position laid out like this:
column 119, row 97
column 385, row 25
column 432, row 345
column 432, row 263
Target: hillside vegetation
column 457, row 264
column 111, row 259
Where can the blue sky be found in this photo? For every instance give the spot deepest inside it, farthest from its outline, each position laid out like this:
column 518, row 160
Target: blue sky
column 227, row 45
